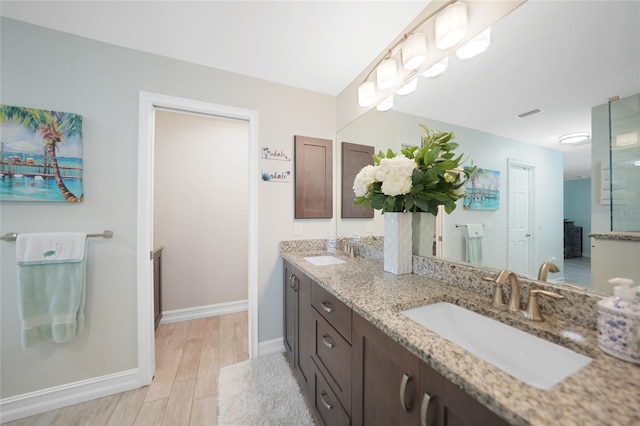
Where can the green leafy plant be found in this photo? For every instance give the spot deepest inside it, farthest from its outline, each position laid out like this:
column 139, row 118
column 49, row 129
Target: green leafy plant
column 419, row 180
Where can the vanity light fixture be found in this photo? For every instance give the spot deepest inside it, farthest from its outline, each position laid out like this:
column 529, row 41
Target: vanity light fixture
column 437, row 68
column 451, row 25
column 414, row 51
column 475, row 46
column 386, row 73
column 386, row 104
column 410, row 87
column 574, row 137
column 366, row 94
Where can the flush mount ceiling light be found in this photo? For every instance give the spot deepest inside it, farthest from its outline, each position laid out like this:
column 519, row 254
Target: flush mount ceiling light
column 574, row 137
column 386, row 74
column 386, row 104
column 475, row 46
column 437, row 68
column 366, row 94
column 410, row 87
column 414, row 51
column 451, row 25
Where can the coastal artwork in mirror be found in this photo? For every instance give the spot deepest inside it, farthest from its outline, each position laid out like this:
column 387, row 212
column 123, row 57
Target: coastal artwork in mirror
column 482, row 189
column 486, row 122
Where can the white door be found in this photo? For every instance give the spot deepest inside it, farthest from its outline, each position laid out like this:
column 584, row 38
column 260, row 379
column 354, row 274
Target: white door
column 519, row 218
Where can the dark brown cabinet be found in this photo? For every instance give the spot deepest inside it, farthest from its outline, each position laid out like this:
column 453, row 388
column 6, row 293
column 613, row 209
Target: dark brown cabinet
column 355, row 374
column 298, row 324
column 157, row 286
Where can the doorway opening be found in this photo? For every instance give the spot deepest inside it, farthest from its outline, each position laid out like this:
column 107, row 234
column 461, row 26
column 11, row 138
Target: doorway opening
column 148, row 105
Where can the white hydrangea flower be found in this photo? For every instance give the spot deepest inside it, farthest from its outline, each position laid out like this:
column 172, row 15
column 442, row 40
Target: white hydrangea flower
column 363, row 180
column 398, row 171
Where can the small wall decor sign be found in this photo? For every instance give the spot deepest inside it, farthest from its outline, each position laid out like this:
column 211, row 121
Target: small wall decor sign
column 40, row 155
column 275, row 154
column 483, row 190
column 276, row 175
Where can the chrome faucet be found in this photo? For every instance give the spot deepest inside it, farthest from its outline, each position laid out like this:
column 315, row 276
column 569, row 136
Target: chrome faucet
column 545, row 268
column 513, row 305
column 348, row 247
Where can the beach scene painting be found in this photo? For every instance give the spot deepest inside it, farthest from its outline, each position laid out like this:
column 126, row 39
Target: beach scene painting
column 483, row 190
column 40, row 155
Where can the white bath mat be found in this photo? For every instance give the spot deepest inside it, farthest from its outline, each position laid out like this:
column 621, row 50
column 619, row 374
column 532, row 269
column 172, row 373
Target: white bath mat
column 261, row 391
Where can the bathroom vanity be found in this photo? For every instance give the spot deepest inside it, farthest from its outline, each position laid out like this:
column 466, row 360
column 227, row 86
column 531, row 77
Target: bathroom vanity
column 360, row 361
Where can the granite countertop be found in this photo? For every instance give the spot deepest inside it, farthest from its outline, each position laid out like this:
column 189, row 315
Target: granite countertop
column 605, row 392
column 621, row 236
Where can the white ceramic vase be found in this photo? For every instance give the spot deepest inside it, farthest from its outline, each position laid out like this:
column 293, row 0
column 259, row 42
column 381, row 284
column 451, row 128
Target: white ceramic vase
column 424, row 229
column 397, row 243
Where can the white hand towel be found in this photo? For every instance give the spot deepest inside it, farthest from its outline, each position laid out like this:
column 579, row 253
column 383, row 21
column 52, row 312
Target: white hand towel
column 475, row 230
column 50, row 247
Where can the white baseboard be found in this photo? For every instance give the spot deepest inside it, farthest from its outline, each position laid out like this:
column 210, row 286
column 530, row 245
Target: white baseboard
column 187, row 314
column 269, row 347
column 29, row 404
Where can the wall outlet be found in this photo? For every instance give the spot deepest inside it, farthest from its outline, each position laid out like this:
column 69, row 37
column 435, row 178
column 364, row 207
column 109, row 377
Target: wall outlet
column 297, row 229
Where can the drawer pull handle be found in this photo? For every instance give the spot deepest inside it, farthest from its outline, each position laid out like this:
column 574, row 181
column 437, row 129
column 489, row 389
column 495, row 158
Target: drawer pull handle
column 424, row 409
column 295, row 283
column 328, row 341
column 327, row 307
column 406, row 378
column 291, row 277
column 324, row 401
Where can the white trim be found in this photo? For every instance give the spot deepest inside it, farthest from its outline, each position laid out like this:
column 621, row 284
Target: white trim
column 270, row 347
column 533, row 244
column 197, row 312
column 29, row 404
column 148, row 102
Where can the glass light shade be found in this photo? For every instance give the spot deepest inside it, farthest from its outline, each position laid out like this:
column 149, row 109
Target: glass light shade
column 574, row 137
column 386, row 104
column 410, row 87
column 366, row 94
column 475, row 46
column 627, row 139
column 437, row 68
column 451, row 25
column 387, row 73
column 414, row 51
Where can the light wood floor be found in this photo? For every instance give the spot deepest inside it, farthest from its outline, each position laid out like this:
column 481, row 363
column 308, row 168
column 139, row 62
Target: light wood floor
column 189, row 356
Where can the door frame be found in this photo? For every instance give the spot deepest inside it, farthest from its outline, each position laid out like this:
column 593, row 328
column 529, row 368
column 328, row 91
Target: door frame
column 148, row 102
column 531, row 170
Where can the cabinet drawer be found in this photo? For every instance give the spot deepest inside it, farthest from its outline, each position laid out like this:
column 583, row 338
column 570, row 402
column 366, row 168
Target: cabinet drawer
column 327, row 405
column 333, row 356
column 333, row 310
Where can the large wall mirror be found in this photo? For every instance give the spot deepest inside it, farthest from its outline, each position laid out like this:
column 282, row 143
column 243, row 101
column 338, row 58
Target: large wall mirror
column 565, row 59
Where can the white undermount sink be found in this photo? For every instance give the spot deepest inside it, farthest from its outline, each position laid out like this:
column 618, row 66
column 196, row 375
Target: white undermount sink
column 324, row 260
column 535, row 361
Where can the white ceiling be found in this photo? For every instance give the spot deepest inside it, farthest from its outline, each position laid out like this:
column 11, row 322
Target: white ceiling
column 562, row 56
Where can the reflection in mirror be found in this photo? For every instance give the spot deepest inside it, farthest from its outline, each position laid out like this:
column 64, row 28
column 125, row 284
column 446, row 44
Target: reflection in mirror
column 478, row 99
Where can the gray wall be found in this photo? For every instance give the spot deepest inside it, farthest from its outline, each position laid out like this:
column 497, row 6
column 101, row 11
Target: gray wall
column 52, row 70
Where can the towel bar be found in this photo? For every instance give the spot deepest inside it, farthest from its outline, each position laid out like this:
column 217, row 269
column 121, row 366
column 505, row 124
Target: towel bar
column 12, row 236
column 464, row 226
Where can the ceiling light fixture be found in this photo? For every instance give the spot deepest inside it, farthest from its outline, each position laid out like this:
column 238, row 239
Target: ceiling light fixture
column 386, row 104
column 475, row 46
column 574, row 137
column 451, row 25
column 410, row 87
column 366, row 94
column 414, row 51
column 627, row 139
column 387, row 73
column 437, row 68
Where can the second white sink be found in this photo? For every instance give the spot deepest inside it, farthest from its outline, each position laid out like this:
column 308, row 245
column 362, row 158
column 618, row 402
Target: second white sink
column 535, row 361
column 324, row 260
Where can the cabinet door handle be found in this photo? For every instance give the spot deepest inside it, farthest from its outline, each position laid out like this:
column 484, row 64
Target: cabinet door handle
column 327, row 307
column 324, row 401
column 291, row 277
column 295, row 283
column 424, row 409
column 406, row 378
column 328, row 341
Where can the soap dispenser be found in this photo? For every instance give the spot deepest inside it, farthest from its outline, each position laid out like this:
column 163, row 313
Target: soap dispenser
column 619, row 321
column 331, row 243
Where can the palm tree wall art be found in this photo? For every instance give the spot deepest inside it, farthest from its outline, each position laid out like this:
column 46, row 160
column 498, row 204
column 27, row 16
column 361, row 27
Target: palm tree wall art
column 483, row 190
column 40, row 155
